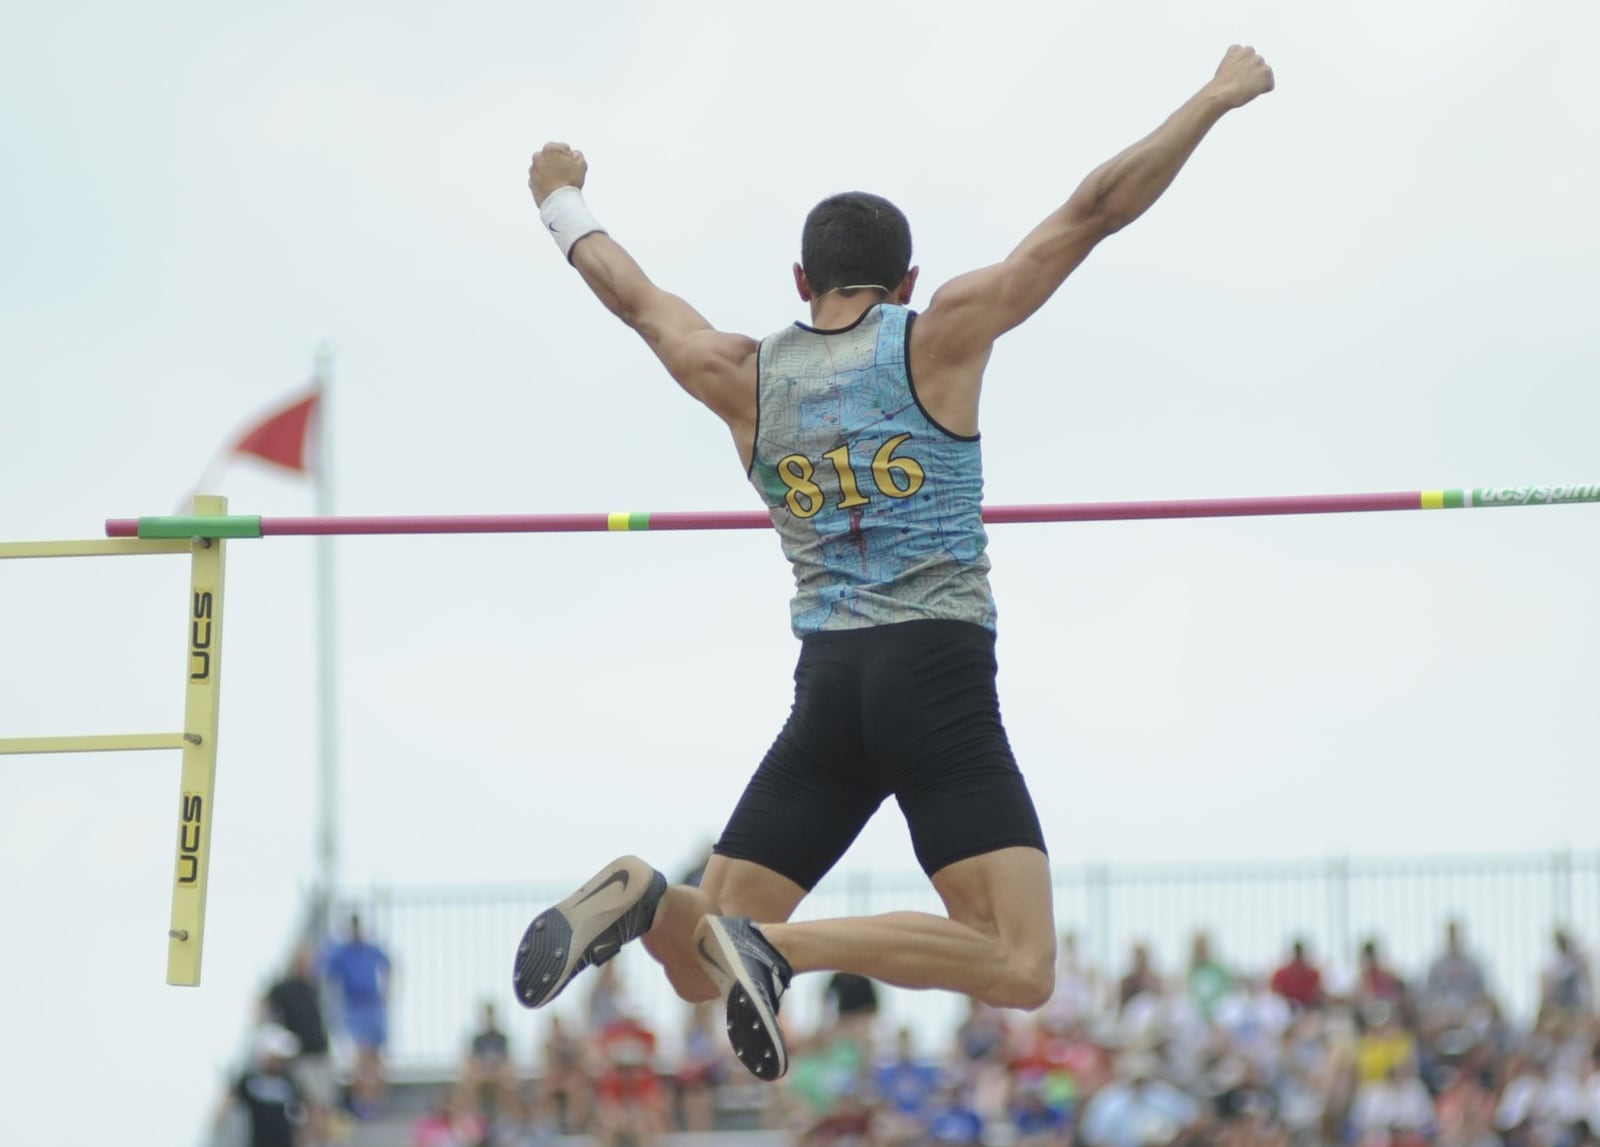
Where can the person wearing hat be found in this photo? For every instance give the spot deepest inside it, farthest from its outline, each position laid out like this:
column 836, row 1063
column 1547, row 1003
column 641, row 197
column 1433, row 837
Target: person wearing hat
column 295, row 1002
column 265, row 1091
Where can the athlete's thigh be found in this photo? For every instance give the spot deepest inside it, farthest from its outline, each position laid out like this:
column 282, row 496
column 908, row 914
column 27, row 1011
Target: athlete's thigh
column 934, row 728
column 813, row 792
column 745, row 888
column 1006, row 893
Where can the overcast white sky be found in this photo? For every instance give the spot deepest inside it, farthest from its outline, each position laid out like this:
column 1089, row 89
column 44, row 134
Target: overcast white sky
column 1382, row 276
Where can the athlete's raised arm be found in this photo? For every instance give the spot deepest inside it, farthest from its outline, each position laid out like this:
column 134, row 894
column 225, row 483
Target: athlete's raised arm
column 714, row 366
column 968, row 313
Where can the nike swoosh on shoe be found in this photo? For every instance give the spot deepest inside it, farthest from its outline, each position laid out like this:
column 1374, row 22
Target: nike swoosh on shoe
column 585, row 929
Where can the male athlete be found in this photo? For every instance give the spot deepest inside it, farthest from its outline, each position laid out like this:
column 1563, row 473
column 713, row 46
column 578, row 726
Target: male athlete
column 860, row 431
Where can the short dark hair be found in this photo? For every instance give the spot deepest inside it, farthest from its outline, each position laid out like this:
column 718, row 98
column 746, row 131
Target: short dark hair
column 855, row 239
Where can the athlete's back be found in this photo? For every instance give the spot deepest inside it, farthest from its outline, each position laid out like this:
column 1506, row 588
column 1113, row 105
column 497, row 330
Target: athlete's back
column 879, row 507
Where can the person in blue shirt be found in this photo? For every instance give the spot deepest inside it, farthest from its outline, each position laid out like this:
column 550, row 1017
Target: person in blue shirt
column 361, row 973
column 955, row 1121
column 908, row 1086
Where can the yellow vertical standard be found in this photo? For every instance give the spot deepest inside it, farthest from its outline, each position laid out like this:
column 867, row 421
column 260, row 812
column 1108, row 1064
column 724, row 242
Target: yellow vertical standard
column 196, row 808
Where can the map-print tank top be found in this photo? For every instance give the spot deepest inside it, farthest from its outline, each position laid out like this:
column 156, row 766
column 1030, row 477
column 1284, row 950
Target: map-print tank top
column 878, row 506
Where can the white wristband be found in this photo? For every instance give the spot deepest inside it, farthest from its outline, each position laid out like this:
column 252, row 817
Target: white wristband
column 566, row 216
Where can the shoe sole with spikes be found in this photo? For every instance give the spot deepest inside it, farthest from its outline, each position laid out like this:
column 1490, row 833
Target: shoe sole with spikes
column 752, row 1023
column 587, row 928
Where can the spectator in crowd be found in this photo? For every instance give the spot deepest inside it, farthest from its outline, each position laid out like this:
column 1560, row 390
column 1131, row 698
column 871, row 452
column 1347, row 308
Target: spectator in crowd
column 608, row 999
column 271, row 1101
column 1394, row 1110
column 1208, row 980
column 956, row 1121
column 1088, row 1063
column 851, row 1123
column 907, row 1085
column 982, row 1037
column 1566, row 991
column 1140, row 979
column 1376, row 983
column 361, row 974
column 1078, row 990
column 851, row 1001
column 702, row 1069
column 1039, row 1119
column 1245, row 1107
column 1312, row 1066
column 1384, row 1043
column 1527, row 1114
column 1049, row 1072
column 1590, row 1077
column 451, row 1122
column 631, row 1105
column 1169, row 1019
column 1454, row 985
column 1252, row 1019
column 1298, row 981
column 1466, row 1102
column 983, row 1054
column 826, row 1069
column 564, row 1091
column 295, row 1004
column 489, row 1082
column 1138, row 1108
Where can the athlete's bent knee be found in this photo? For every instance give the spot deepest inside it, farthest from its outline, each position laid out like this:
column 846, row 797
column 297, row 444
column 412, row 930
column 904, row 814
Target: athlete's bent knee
column 692, row 987
column 1037, row 986
column 1028, row 984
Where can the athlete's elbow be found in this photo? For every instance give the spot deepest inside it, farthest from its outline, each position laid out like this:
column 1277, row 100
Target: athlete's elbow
column 1090, row 218
column 1093, row 208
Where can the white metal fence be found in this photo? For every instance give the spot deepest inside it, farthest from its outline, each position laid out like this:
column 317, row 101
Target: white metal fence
column 453, row 947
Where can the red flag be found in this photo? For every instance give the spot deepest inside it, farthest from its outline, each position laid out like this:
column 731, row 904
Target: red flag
column 281, row 437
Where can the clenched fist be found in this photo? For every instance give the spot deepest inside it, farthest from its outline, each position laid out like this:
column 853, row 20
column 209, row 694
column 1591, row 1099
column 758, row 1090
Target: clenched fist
column 1241, row 77
column 555, row 165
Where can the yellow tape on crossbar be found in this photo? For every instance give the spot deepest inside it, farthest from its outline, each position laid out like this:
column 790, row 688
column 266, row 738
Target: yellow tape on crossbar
column 196, row 807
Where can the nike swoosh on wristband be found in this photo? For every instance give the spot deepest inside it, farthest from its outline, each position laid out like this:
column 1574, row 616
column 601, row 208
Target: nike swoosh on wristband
column 553, row 228
column 710, row 959
column 618, row 877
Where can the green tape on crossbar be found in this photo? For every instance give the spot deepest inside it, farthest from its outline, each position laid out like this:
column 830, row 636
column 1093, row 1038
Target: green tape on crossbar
column 202, row 526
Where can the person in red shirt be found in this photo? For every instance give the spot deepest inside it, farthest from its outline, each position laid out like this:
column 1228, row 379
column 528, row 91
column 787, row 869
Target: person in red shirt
column 1298, row 981
column 630, row 1103
column 1378, row 983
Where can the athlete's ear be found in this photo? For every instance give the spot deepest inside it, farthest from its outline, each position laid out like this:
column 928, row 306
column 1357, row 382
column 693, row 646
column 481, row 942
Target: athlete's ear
column 801, row 284
column 907, row 285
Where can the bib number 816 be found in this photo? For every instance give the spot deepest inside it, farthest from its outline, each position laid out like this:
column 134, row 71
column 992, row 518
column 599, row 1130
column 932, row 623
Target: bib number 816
column 894, row 478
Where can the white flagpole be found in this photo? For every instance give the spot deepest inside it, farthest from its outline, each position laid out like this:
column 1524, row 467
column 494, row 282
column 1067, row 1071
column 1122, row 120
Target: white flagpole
column 327, row 658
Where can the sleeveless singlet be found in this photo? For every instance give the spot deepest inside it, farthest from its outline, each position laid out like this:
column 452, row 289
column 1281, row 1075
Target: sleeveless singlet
column 879, row 508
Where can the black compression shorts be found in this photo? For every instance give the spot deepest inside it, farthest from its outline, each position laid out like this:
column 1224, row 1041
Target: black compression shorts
column 908, row 710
